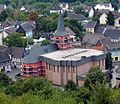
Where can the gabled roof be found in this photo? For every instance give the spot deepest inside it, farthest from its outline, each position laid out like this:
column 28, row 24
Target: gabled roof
column 116, row 14
column 27, row 26
column 112, row 33
column 75, row 16
column 91, row 39
column 4, row 57
column 16, row 52
column 100, row 12
column 91, row 24
column 69, row 31
column 100, row 29
column 34, row 53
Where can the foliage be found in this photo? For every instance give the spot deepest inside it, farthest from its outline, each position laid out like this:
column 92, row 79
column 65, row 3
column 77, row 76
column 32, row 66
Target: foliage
column 100, row 94
column 75, row 26
column 108, row 61
column 20, row 15
column 15, row 39
column 39, row 86
column 110, row 19
column 46, row 24
column 70, row 86
column 45, row 42
column 32, row 16
column 4, row 80
column 81, row 10
column 94, row 76
column 5, row 14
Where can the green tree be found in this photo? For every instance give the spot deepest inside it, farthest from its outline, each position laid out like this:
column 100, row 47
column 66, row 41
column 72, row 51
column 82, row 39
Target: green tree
column 100, row 94
column 110, row 19
column 75, row 26
column 95, row 75
column 15, row 39
column 70, row 86
column 4, row 80
column 108, row 61
column 45, row 42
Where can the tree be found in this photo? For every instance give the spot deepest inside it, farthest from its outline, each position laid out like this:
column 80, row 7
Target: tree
column 15, row 39
column 75, row 26
column 100, row 94
column 32, row 16
column 4, row 80
column 45, row 42
column 3, row 16
column 108, row 61
column 70, row 85
column 95, row 75
column 110, row 19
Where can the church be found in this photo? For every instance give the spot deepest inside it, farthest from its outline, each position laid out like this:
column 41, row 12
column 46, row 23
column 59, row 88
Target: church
column 61, row 61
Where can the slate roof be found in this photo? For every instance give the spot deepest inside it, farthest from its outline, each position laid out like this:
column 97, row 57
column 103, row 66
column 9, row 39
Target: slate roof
column 114, row 46
column 88, row 8
column 27, row 26
column 100, row 29
column 34, row 53
column 91, row 24
column 100, row 12
column 56, row 7
column 116, row 14
column 112, row 33
column 4, row 57
column 91, row 39
column 10, row 30
column 16, row 52
column 69, row 31
column 75, row 16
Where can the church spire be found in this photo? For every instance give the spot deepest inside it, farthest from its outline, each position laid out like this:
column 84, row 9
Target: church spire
column 60, row 27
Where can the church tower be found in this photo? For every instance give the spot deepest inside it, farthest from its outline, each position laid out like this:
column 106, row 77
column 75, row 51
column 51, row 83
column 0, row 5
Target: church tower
column 61, row 37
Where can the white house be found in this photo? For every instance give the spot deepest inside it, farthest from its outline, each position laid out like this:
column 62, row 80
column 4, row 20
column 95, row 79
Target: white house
column 104, row 6
column 90, row 11
column 103, row 19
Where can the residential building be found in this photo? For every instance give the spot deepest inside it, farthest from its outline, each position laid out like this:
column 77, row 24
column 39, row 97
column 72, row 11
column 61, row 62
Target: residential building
column 113, row 34
column 90, row 11
column 101, row 6
column 26, row 28
column 91, row 26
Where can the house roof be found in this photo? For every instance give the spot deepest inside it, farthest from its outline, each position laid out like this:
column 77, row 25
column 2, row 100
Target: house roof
column 16, row 52
column 100, row 12
column 91, row 39
column 32, row 56
column 112, row 33
column 114, row 46
column 100, row 29
column 69, row 31
column 88, row 8
column 4, row 57
column 116, row 14
column 75, row 16
column 27, row 26
column 91, row 24
column 56, row 7
column 10, row 30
